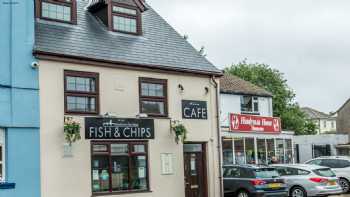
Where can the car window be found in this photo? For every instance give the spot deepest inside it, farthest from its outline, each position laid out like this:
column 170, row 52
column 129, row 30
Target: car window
column 231, row 172
column 343, row 163
column 331, row 163
column 266, row 173
column 246, row 173
column 281, row 171
column 315, row 162
column 325, row 172
column 303, row 172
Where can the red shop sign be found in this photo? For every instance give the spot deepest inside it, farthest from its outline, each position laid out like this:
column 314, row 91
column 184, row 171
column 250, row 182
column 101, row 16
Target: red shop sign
column 247, row 123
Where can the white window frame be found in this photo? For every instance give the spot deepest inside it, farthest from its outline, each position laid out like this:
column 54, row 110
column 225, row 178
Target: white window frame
column 3, row 162
column 255, row 99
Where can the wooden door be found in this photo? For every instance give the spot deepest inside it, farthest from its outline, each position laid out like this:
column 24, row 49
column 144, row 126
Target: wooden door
column 195, row 170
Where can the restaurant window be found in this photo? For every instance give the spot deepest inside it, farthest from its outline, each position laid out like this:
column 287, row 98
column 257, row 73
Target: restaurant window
column 250, row 150
column 2, row 155
column 280, row 150
column 288, row 151
column 271, row 156
column 153, row 97
column 126, row 19
column 227, row 148
column 81, row 92
column 261, row 143
column 239, row 151
column 119, row 167
column 250, row 104
column 57, row 10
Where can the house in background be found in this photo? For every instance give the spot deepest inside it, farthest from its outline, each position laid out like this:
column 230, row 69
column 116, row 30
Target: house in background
column 343, row 125
column 326, row 123
column 250, row 133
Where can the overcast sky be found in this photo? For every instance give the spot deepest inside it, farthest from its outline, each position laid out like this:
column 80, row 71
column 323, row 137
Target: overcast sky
column 307, row 40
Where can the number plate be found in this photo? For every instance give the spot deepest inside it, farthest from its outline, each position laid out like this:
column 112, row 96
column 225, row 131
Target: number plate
column 275, row 185
column 332, row 183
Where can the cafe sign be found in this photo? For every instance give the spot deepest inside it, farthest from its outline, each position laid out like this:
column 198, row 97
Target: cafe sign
column 119, row 128
column 248, row 123
column 194, row 109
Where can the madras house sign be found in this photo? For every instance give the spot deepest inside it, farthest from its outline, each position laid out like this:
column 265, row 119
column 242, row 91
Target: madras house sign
column 248, row 123
column 118, row 128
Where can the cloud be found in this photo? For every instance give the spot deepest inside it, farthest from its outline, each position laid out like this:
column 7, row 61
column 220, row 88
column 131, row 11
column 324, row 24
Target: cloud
column 308, row 40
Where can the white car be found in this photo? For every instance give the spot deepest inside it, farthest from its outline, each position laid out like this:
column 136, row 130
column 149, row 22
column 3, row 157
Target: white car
column 340, row 166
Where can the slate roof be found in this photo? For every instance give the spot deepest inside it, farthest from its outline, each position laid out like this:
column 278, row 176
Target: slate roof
column 160, row 46
column 231, row 84
column 314, row 114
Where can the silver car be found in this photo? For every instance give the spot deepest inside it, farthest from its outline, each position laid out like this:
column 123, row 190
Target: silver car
column 309, row 180
column 340, row 165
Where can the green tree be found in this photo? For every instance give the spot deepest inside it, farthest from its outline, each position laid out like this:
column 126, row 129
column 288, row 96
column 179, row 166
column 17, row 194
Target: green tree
column 284, row 104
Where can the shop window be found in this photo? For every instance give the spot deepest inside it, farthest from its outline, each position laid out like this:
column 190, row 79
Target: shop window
column 239, row 151
column 262, row 155
column 271, row 155
column 227, row 148
column 249, row 104
column 126, row 19
column 153, row 97
column 2, row 155
column 57, row 10
column 81, row 92
column 119, row 167
column 289, row 151
column 250, row 150
column 280, row 150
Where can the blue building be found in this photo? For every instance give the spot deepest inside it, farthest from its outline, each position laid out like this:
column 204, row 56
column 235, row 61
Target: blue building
column 19, row 102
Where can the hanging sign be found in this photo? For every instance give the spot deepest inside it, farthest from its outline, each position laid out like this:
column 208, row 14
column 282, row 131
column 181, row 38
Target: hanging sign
column 248, row 123
column 119, row 128
column 194, row 109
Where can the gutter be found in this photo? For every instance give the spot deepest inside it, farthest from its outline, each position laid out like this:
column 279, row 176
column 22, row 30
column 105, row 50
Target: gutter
column 216, row 86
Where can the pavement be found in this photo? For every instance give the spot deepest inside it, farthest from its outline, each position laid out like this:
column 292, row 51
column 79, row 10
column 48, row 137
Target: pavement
column 344, row 195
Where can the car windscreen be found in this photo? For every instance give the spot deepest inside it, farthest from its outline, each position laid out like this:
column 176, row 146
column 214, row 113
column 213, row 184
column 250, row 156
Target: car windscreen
column 325, row 172
column 266, row 173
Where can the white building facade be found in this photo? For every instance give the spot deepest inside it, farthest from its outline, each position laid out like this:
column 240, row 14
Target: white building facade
column 250, row 133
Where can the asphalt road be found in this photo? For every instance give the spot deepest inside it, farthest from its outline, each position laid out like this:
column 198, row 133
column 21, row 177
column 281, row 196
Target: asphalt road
column 344, row 195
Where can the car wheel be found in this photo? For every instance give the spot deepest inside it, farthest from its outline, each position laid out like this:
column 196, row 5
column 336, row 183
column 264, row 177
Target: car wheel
column 345, row 185
column 243, row 193
column 297, row 192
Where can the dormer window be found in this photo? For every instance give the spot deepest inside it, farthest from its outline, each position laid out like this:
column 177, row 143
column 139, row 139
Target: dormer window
column 57, row 10
column 126, row 19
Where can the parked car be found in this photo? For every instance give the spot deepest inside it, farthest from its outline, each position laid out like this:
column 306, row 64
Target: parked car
column 340, row 165
column 253, row 180
column 309, row 180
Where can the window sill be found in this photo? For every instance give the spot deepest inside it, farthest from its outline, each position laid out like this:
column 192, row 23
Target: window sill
column 119, row 193
column 7, row 185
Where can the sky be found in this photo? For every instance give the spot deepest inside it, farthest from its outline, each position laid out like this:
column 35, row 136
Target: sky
column 307, row 40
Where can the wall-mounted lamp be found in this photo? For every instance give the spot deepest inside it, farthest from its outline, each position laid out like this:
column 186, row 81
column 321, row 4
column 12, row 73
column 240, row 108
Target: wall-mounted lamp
column 206, row 90
column 181, row 88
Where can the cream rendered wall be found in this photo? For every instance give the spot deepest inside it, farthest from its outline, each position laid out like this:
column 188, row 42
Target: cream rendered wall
column 71, row 176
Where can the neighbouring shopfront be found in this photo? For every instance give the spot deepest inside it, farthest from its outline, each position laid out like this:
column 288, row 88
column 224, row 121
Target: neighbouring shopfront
column 248, row 141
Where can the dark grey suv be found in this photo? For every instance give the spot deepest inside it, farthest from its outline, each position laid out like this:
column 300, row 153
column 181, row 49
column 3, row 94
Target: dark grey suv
column 253, row 181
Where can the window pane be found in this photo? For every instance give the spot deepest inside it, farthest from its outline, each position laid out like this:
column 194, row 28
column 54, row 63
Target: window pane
column 227, row 151
column 120, row 173
column 270, row 151
column 81, row 104
column 249, row 150
column 100, row 174
column 289, row 151
column 153, row 107
column 99, row 148
column 124, row 24
column 55, row 11
column 119, row 149
column 81, row 84
column 124, row 10
column 261, row 151
column 246, row 104
column 280, row 150
column 139, row 173
column 193, row 147
column 140, row 148
column 149, row 89
column 239, row 151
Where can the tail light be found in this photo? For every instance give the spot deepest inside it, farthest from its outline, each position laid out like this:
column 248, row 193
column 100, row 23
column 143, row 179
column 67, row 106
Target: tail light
column 319, row 180
column 256, row 182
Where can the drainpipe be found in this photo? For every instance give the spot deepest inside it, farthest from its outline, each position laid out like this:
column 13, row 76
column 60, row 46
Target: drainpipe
column 216, row 86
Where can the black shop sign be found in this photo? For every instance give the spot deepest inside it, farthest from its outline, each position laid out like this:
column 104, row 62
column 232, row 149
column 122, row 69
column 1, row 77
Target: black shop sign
column 194, row 109
column 119, row 128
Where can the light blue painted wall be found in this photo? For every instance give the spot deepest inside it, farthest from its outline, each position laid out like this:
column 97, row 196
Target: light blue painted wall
column 19, row 98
